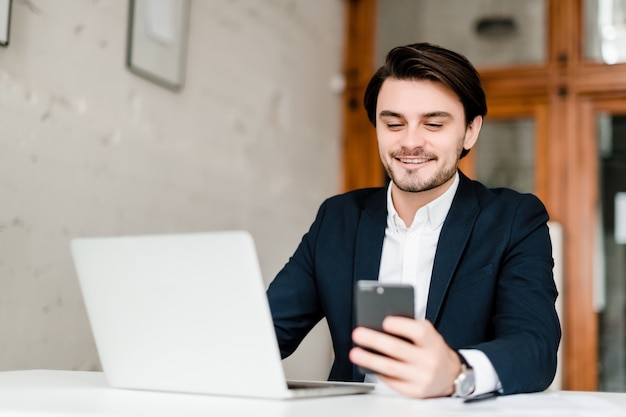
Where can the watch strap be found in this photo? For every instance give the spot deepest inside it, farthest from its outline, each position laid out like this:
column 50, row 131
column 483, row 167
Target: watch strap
column 463, row 360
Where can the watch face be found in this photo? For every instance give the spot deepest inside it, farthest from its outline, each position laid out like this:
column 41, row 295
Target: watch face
column 465, row 383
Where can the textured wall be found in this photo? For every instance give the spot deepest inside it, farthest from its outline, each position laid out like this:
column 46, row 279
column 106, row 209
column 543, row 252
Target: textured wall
column 88, row 148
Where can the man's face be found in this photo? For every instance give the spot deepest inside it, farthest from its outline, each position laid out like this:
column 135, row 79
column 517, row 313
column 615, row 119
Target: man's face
column 421, row 132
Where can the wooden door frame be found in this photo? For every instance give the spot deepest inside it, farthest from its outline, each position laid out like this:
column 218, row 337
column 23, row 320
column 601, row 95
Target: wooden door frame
column 361, row 164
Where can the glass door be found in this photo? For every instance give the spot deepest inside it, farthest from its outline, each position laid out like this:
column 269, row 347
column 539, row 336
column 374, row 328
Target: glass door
column 611, row 252
column 505, row 154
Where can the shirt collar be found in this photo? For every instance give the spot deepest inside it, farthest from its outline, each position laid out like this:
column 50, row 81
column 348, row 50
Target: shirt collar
column 435, row 211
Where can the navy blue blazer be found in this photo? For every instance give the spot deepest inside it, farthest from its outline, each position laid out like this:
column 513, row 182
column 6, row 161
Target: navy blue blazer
column 491, row 289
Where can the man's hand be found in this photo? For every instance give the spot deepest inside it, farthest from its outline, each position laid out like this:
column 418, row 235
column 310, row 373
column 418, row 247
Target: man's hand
column 422, row 367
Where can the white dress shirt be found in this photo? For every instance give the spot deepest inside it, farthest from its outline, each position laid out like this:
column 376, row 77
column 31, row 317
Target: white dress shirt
column 408, row 256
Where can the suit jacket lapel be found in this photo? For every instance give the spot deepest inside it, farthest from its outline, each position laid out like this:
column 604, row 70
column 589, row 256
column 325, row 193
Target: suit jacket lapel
column 455, row 234
column 370, row 235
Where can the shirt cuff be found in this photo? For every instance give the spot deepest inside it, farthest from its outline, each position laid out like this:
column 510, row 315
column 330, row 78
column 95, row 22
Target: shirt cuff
column 487, row 379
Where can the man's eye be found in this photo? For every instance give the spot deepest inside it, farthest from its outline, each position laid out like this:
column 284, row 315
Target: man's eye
column 434, row 125
column 394, row 125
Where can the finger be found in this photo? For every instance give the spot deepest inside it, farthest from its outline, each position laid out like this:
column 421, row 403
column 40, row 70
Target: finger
column 388, row 345
column 428, row 350
column 431, row 366
column 392, row 356
column 428, row 379
column 408, row 357
column 375, row 362
column 420, row 332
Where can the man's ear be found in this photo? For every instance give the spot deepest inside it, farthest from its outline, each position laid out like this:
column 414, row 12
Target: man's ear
column 471, row 132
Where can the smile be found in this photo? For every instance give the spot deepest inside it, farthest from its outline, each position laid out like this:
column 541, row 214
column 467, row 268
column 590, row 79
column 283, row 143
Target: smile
column 413, row 160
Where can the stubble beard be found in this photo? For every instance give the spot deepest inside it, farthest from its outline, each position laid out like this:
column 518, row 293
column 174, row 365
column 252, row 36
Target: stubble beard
column 410, row 181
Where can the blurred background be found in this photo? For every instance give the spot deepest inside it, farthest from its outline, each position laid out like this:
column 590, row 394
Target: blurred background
column 163, row 116
column 88, row 148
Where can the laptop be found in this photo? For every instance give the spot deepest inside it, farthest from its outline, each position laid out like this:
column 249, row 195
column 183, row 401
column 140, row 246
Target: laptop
column 186, row 313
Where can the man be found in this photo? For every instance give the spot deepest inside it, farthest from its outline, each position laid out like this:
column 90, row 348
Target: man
column 479, row 259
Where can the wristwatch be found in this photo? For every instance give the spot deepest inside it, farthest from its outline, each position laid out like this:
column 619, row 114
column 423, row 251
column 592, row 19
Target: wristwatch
column 465, row 383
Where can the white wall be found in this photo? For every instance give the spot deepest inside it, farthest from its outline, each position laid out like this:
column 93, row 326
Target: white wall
column 88, row 148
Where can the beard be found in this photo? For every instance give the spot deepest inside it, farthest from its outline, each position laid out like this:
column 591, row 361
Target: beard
column 411, row 181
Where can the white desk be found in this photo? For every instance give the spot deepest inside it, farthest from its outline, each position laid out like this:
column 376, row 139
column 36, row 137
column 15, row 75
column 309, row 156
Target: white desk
column 67, row 393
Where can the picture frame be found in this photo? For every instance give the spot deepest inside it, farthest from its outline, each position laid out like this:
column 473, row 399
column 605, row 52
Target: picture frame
column 157, row 41
column 5, row 21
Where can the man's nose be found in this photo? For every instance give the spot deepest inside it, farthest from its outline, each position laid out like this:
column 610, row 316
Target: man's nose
column 413, row 138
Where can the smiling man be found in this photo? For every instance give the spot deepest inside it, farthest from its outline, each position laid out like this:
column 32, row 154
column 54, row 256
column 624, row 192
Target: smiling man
column 479, row 259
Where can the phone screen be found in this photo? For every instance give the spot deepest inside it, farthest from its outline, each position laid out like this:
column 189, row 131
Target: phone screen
column 374, row 301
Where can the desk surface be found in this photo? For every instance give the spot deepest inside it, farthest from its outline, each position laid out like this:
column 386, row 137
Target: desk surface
column 59, row 393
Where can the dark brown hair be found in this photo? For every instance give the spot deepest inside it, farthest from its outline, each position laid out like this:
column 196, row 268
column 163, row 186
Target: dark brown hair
column 424, row 61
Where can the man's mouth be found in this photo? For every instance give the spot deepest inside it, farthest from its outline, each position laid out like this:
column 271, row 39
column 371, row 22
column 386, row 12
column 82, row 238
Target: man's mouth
column 413, row 160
